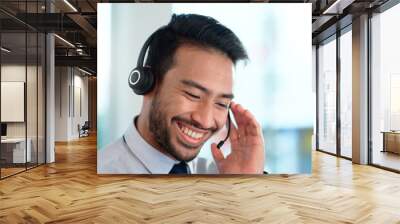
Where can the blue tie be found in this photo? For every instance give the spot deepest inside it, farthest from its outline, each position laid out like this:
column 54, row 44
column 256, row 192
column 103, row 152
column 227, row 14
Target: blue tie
column 180, row 168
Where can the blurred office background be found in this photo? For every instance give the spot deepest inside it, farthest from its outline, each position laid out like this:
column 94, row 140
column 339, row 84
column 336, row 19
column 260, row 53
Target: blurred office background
column 275, row 85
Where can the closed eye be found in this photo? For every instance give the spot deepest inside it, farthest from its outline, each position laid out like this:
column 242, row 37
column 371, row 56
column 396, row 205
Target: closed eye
column 192, row 95
column 223, row 106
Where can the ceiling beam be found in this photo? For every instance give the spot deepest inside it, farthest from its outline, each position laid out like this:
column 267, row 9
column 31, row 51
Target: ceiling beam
column 321, row 20
column 86, row 26
column 83, row 61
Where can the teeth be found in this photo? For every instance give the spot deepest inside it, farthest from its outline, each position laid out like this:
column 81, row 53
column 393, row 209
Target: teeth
column 191, row 133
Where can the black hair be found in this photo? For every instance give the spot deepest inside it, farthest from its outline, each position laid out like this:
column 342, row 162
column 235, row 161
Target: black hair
column 198, row 30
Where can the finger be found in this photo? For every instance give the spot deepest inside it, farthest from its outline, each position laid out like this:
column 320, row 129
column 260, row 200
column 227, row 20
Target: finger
column 252, row 126
column 217, row 154
column 254, row 134
column 252, row 131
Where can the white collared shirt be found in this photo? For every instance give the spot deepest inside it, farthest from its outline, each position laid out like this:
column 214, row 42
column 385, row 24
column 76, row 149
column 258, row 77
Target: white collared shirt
column 131, row 154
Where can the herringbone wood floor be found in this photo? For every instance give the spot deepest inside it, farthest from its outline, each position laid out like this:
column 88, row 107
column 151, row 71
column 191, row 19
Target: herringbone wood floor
column 70, row 191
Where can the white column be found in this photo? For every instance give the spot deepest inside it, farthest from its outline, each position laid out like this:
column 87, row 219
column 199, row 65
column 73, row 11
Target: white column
column 50, row 92
column 50, row 99
column 360, row 90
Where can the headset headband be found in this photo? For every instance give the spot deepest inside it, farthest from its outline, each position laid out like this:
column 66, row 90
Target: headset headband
column 147, row 43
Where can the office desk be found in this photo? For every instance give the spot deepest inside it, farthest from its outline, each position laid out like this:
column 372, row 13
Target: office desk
column 13, row 150
column 391, row 142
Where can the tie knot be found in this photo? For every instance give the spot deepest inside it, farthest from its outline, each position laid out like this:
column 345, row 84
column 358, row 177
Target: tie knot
column 180, row 168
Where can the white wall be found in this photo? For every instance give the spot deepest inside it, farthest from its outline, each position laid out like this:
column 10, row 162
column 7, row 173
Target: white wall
column 15, row 72
column 67, row 116
column 80, row 83
column 12, row 73
column 61, row 103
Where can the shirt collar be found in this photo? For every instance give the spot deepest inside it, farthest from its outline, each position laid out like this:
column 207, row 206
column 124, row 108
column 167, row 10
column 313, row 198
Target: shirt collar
column 155, row 161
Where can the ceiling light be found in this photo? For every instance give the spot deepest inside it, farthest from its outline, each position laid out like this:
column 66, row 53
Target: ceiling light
column 70, row 5
column 65, row 41
column 5, row 50
column 337, row 7
column 84, row 71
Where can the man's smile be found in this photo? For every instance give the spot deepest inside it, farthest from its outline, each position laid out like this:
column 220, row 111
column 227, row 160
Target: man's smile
column 191, row 135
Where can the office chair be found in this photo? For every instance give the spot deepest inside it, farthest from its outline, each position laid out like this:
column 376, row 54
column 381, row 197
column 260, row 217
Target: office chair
column 84, row 130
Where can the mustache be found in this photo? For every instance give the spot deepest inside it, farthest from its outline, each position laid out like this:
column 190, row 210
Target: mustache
column 195, row 124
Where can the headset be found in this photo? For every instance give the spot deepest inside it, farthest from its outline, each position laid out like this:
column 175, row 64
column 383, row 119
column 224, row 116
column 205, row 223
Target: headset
column 142, row 80
column 221, row 143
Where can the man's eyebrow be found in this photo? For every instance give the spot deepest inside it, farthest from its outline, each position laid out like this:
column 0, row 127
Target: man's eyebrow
column 194, row 84
column 229, row 96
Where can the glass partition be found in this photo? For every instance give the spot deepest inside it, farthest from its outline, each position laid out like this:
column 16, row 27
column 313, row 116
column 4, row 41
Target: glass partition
column 22, row 88
column 14, row 153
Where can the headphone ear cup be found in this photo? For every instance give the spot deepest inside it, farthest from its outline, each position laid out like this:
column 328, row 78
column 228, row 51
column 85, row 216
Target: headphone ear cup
column 141, row 80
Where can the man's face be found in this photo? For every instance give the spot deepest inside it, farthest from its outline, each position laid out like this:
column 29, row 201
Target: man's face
column 191, row 103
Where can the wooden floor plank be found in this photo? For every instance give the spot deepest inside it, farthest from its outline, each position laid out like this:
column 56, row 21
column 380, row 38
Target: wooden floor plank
column 70, row 191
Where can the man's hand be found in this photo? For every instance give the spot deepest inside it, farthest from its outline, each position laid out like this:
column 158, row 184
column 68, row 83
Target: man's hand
column 247, row 146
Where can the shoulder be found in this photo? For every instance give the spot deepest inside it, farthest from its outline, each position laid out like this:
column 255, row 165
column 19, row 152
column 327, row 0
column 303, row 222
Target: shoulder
column 111, row 151
column 117, row 158
column 109, row 155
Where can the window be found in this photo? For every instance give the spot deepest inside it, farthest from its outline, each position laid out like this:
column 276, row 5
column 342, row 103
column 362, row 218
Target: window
column 385, row 89
column 327, row 96
column 346, row 94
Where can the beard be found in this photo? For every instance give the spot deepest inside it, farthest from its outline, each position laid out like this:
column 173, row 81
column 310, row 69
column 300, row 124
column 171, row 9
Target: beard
column 158, row 126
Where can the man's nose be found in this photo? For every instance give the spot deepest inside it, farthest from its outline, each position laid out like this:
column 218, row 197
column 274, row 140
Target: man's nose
column 204, row 116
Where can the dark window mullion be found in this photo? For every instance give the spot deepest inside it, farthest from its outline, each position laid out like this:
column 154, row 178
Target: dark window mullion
column 338, row 91
column 26, row 86
column 0, row 95
column 37, row 90
column 369, row 90
column 317, row 95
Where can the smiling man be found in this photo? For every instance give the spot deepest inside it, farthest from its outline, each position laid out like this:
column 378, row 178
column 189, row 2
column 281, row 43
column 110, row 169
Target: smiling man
column 192, row 60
